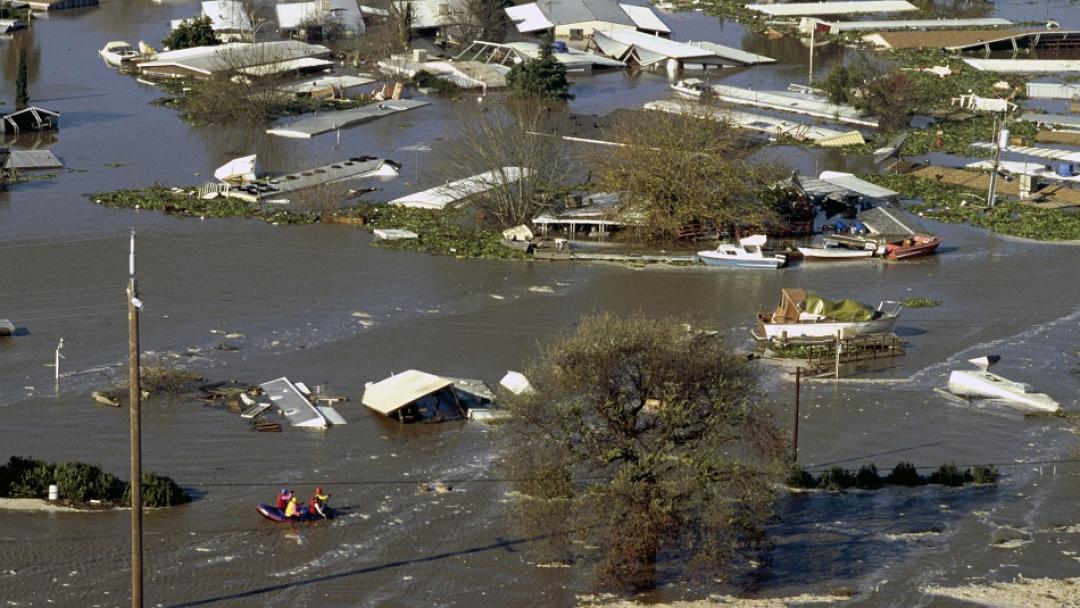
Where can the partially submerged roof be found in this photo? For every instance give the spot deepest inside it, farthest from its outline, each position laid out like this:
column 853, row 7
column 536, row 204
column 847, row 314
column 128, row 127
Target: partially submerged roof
column 797, row 103
column 338, row 83
column 1059, row 120
column 29, row 160
column 808, row 23
column 227, row 15
column 1037, row 40
column 1052, row 90
column 930, row 39
column 645, row 19
column 772, row 125
column 1071, row 156
column 796, row 9
column 1025, row 66
column 859, row 186
column 389, row 395
column 732, row 55
column 302, row 64
column 890, row 222
column 294, row 15
column 509, row 53
column 454, row 192
column 646, row 50
column 209, row 60
column 325, row 122
column 293, row 404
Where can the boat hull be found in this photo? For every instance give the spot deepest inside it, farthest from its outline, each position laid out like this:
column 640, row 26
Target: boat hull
column 991, row 386
column 732, row 262
column 828, row 330
column 920, row 248
column 834, row 253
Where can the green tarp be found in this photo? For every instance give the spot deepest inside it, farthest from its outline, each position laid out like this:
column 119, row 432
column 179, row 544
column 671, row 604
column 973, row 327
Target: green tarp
column 841, row 310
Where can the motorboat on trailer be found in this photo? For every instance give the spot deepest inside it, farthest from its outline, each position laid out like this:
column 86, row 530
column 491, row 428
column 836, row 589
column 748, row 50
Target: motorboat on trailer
column 804, row 315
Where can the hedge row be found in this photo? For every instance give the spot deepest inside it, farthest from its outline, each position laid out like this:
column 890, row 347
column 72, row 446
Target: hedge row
column 80, row 482
column 903, row 474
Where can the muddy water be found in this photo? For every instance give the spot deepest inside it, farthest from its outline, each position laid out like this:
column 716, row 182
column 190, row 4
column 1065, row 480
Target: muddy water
column 319, row 304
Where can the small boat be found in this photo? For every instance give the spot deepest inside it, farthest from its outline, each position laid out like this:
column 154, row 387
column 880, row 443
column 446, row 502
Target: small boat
column 7, row 328
column 277, row 515
column 804, row 315
column 913, row 246
column 106, row 398
column 118, row 53
column 834, row 251
column 748, row 253
column 983, row 384
column 691, row 87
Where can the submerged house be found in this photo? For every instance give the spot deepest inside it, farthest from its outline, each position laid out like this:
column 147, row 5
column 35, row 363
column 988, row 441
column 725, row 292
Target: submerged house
column 30, row 119
column 415, row 396
column 321, row 19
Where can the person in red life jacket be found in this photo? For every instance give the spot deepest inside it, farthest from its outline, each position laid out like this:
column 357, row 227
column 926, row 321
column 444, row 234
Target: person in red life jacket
column 283, row 498
column 317, row 504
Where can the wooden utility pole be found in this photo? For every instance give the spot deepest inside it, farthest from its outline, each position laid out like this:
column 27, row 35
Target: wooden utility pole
column 795, row 434
column 135, row 396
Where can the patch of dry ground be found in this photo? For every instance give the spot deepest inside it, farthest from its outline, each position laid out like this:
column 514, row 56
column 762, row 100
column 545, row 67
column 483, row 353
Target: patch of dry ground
column 36, row 504
column 717, row 601
column 1024, row 593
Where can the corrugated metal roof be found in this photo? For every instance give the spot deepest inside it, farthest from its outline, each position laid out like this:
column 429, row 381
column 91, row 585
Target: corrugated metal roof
column 1053, row 119
column 1051, row 153
column 798, row 103
column 930, row 39
column 795, row 9
column 1052, row 90
column 345, row 12
column 859, row 186
column 324, row 122
column 443, row 196
column 293, row 404
column 29, row 160
column 737, row 56
column 905, row 24
column 289, row 65
column 654, row 46
column 645, row 19
column 389, row 395
column 528, row 18
column 890, row 222
column 1025, row 66
column 223, row 58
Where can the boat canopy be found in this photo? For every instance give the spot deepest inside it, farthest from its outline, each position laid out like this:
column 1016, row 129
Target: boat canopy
column 840, row 310
column 795, row 302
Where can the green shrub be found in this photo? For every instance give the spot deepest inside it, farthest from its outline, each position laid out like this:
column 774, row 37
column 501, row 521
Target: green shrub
column 921, row 303
column 158, row 491
column 904, row 474
column 867, row 478
column 950, row 475
column 84, row 482
column 836, row 478
column 798, row 477
column 984, row 473
column 25, row 478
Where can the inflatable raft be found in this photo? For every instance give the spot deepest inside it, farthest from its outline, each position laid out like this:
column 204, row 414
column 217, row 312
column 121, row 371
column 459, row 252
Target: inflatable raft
column 275, row 514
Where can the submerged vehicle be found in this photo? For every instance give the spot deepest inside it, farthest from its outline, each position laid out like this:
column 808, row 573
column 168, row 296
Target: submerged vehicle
column 278, row 515
column 748, row 253
column 118, row 53
column 983, row 384
column 803, row 315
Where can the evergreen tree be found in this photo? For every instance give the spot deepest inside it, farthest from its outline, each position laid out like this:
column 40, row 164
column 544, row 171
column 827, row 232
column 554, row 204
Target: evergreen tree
column 543, row 76
column 22, row 97
column 192, row 33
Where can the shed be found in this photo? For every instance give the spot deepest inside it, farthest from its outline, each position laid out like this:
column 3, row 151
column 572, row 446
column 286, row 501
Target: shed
column 414, row 395
column 578, row 19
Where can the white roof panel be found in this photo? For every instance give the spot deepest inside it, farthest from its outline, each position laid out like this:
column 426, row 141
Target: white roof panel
column 655, row 44
column 645, row 19
column 443, row 196
column 528, row 18
column 398, row 391
column 1025, row 66
column 797, row 9
column 859, row 186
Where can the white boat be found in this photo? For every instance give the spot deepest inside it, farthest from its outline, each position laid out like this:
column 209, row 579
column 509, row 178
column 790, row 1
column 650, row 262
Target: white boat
column 748, row 253
column 804, row 315
column 691, row 87
column 983, row 384
column 118, row 53
column 830, row 251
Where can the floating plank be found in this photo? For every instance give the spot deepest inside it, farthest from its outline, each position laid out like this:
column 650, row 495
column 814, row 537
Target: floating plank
column 325, row 122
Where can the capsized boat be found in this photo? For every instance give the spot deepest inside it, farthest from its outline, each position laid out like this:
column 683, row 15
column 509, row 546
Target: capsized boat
column 913, row 246
column 983, row 384
column 748, row 253
column 118, row 53
column 804, row 315
column 690, row 87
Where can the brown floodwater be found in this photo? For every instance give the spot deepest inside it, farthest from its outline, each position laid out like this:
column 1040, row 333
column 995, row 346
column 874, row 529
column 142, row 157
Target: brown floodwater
column 319, row 304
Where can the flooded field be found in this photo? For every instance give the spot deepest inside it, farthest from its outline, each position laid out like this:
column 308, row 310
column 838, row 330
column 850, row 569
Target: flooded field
column 319, row 304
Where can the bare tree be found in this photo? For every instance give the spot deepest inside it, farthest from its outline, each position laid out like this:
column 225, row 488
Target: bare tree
column 471, row 20
column 388, row 36
column 683, row 170
column 508, row 140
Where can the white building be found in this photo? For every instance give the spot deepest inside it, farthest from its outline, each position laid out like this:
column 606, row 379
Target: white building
column 578, row 19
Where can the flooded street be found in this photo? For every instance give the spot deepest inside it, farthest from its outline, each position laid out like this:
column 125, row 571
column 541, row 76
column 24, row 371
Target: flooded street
column 319, row 304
